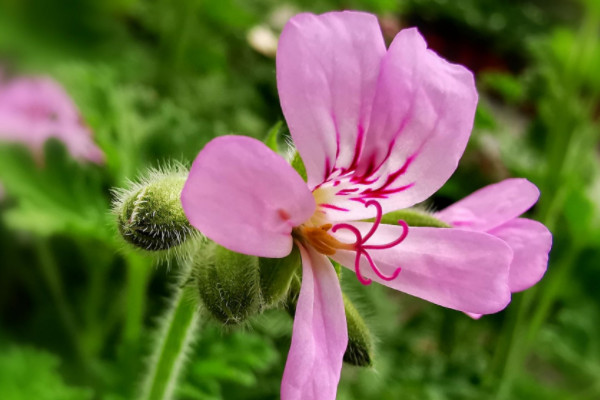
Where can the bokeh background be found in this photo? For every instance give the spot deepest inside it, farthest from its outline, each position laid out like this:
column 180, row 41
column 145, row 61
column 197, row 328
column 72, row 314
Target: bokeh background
column 155, row 80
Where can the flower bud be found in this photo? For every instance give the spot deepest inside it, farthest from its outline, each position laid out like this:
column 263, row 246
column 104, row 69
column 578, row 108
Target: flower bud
column 150, row 215
column 413, row 217
column 276, row 275
column 228, row 283
column 360, row 342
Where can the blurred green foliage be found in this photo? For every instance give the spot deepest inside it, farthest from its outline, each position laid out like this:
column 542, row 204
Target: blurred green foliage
column 156, row 80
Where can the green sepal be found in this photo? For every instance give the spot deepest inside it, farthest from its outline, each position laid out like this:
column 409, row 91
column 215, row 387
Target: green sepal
column 298, row 165
column 413, row 218
column 338, row 268
column 360, row 341
column 228, row 283
column 272, row 137
column 276, row 275
column 291, row 299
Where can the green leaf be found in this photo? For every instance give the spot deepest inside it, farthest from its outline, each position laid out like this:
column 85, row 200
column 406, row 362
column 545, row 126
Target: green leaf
column 55, row 195
column 26, row 374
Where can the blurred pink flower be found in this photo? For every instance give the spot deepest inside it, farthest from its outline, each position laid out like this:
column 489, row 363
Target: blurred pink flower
column 495, row 209
column 378, row 130
column 34, row 109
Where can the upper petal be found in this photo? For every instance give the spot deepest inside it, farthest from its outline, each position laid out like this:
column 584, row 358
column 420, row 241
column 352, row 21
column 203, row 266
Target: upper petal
column 320, row 336
column 463, row 270
column 327, row 68
column 530, row 242
column 492, row 205
column 245, row 197
column 421, row 120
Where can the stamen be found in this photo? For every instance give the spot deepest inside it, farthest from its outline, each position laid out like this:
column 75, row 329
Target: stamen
column 361, row 247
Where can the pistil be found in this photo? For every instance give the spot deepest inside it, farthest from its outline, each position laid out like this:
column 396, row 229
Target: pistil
column 320, row 238
column 361, row 246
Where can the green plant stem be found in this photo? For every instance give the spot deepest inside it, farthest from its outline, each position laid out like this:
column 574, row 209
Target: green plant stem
column 138, row 275
column 174, row 337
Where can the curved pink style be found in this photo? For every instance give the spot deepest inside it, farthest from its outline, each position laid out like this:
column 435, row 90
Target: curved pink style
column 34, row 109
column 378, row 130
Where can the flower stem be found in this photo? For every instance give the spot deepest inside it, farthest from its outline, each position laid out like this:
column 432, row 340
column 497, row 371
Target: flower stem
column 174, row 337
column 138, row 274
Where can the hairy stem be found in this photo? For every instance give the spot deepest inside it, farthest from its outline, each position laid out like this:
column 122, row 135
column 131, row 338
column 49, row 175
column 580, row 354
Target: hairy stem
column 174, row 337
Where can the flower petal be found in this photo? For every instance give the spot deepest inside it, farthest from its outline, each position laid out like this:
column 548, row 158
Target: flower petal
column 327, row 68
column 320, row 336
column 492, row 205
column 245, row 197
column 531, row 242
column 34, row 109
column 463, row 270
column 422, row 118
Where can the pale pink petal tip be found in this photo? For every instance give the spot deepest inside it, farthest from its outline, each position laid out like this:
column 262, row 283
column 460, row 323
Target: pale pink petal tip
column 34, row 109
column 320, row 336
column 492, row 205
column 531, row 242
column 245, row 197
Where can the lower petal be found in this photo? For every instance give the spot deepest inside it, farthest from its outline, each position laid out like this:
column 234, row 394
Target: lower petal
column 530, row 242
column 462, row 270
column 320, row 337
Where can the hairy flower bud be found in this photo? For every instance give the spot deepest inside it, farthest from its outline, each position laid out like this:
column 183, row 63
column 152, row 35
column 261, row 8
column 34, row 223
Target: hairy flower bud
column 276, row 275
column 149, row 214
column 360, row 342
column 228, row 283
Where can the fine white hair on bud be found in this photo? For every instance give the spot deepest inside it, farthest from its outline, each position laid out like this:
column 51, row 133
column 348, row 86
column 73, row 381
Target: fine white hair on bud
column 149, row 212
column 228, row 283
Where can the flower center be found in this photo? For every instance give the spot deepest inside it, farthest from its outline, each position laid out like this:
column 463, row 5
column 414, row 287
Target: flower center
column 322, row 241
column 320, row 238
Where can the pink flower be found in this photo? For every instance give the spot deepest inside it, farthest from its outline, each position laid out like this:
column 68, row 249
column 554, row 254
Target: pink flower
column 34, row 109
column 378, row 130
column 495, row 209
